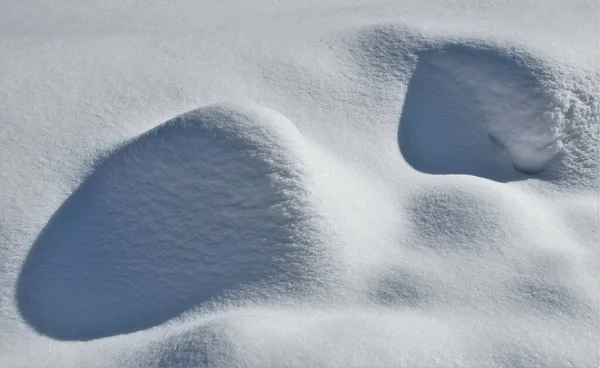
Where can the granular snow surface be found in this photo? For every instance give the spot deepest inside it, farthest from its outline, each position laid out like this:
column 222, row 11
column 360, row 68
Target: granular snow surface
column 299, row 183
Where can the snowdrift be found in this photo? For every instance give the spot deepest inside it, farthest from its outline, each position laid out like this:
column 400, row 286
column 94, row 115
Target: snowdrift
column 206, row 203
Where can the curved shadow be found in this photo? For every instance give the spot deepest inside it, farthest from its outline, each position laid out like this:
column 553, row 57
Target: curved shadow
column 444, row 123
column 201, row 205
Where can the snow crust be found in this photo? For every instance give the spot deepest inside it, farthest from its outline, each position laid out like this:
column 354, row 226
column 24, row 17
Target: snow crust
column 299, row 184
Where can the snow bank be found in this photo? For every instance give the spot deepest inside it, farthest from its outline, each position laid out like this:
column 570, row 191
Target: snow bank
column 208, row 202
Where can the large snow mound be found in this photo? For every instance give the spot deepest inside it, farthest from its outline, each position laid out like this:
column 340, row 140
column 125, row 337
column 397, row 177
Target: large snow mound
column 208, row 202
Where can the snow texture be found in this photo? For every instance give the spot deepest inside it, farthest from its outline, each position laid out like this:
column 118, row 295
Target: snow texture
column 299, row 184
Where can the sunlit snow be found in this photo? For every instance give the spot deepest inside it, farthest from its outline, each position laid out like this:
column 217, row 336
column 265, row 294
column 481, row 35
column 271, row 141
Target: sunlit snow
column 299, row 183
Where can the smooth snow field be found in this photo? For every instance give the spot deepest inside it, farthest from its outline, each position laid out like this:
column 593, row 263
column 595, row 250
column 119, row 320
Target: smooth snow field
column 308, row 183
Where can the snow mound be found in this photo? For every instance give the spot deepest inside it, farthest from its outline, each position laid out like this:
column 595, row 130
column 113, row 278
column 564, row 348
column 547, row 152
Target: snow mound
column 198, row 206
column 434, row 202
column 449, row 221
column 199, row 344
column 477, row 111
column 485, row 108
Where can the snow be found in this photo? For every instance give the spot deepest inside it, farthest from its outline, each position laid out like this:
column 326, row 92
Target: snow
column 304, row 184
column 207, row 202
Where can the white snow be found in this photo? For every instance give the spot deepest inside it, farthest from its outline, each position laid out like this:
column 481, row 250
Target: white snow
column 299, row 183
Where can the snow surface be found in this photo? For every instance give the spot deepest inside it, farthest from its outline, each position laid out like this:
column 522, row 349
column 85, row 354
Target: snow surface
column 299, row 183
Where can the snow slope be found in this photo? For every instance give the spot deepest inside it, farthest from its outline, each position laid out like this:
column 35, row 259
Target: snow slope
column 277, row 183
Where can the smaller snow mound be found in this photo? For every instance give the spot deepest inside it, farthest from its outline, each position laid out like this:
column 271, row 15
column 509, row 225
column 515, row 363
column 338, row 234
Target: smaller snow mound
column 200, row 345
column 402, row 288
column 491, row 109
column 546, row 297
column 478, row 111
column 450, row 221
column 199, row 206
